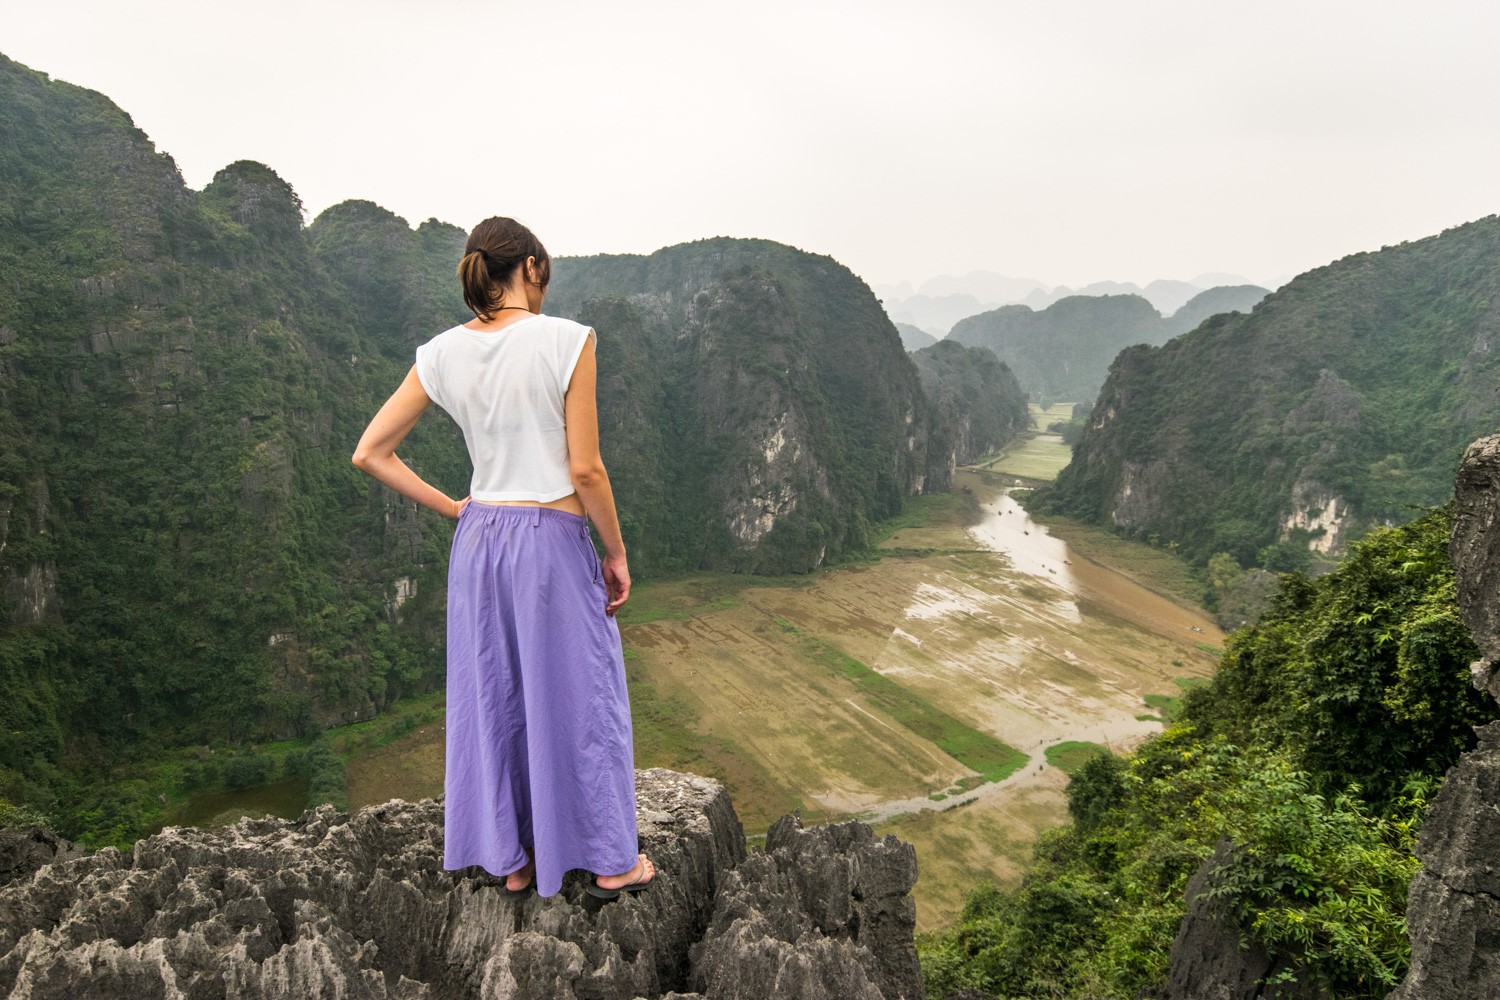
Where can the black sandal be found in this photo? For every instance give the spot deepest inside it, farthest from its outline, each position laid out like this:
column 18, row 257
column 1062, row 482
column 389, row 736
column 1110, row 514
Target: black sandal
column 640, row 883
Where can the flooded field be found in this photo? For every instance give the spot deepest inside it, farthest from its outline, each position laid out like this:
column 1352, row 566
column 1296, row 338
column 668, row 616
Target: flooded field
column 1001, row 628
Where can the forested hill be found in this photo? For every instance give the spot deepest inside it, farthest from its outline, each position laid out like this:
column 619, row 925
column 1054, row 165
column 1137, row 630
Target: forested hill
column 1341, row 401
column 765, row 411
column 1062, row 353
column 979, row 404
column 186, row 552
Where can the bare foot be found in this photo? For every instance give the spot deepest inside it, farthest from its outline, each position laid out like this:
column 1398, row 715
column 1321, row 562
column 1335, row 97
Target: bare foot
column 521, row 877
column 643, row 872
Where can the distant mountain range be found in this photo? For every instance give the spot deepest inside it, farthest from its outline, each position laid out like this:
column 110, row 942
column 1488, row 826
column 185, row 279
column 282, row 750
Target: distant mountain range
column 1063, row 352
column 939, row 303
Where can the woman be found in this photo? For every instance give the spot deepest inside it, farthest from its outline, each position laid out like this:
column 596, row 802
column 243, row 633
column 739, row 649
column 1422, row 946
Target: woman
column 540, row 775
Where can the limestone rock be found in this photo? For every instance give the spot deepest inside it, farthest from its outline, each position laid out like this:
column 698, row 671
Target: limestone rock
column 1475, row 550
column 1453, row 909
column 822, row 913
column 359, row 907
column 25, row 849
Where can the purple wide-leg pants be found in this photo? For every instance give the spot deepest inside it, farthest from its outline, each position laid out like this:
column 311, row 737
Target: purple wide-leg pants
column 540, row 761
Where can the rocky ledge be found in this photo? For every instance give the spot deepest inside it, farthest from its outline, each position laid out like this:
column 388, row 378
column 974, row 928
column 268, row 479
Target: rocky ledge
column 359, row 906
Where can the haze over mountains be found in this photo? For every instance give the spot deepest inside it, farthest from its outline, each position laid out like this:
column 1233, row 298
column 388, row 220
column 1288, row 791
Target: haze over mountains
column 938, row 303
column 1062, row 353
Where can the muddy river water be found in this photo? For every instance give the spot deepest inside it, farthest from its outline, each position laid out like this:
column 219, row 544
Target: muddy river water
column 1057, row 650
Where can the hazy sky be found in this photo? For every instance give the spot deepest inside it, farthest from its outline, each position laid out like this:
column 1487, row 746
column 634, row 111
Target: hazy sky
column 1065, row 141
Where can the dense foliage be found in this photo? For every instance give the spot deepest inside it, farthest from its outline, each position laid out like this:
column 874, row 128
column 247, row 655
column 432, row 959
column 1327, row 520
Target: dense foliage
column 1340, row 402
column 187, row 555
column 1062, row 353
column 1312, row 751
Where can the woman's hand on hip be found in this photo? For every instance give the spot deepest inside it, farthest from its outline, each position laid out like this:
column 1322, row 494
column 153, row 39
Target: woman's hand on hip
column 617, row 582
column 458, row 507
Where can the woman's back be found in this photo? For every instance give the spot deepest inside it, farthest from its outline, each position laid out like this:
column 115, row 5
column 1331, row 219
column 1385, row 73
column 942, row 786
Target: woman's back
column 506, row 389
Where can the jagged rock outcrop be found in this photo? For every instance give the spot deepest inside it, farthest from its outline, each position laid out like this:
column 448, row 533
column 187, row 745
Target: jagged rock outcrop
column 359, row 906
column 25, row 849
column 1475, row 551
column 1453, row 912
column 822, row 913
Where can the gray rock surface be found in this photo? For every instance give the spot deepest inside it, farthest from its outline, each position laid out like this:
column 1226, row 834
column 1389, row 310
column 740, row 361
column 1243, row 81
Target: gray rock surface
column 822, row 913
column 1212, row 958
column 1453, row 911
column 25, row 849
column 1475, row 551
column 359, row 906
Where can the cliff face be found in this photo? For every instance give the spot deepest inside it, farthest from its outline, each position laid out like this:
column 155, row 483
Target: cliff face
column 360, row 907
column 1454, row 908
column 1338, row 403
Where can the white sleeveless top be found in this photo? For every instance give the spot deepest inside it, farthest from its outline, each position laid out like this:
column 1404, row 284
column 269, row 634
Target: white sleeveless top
column 505, row 389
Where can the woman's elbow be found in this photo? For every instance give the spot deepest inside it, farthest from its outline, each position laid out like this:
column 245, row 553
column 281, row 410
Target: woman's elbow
column 587, row 474
column 363, row 458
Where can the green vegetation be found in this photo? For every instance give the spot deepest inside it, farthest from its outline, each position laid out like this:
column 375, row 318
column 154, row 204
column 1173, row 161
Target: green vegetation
column 182, row 383
column 1033, row 457
column 1353, row 390
column 958, row 508
column 973, row 748
column 1070, row 756
column 977, row 403
column 1313, row 752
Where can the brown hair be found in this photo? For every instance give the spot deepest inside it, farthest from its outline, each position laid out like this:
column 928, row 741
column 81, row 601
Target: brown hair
column 497, row 247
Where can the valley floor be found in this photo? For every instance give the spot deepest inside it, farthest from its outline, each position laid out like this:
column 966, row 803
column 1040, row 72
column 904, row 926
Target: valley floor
column 920, row 692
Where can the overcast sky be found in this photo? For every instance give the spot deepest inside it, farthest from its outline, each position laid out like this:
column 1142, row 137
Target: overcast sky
column 1064, row 141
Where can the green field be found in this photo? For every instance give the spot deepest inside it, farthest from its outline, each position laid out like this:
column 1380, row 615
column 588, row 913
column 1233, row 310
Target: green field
column 982, row 753
column 1069, row 756
column 1035, row 455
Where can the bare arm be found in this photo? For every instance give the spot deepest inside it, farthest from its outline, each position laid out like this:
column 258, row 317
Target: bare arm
column 590, row 478
column 376, row 451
